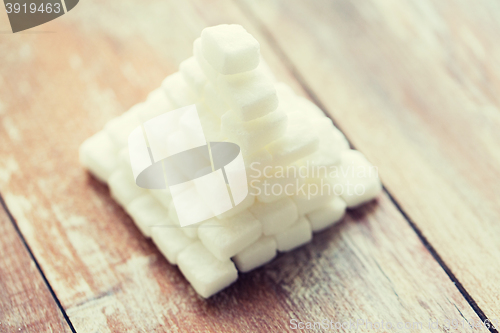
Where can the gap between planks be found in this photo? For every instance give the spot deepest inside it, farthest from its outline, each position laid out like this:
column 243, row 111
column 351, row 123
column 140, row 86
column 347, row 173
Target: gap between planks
column 310, row 93
column 3, row 205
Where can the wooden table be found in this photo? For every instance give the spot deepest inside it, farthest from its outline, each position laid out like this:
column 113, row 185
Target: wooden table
column 414, row 85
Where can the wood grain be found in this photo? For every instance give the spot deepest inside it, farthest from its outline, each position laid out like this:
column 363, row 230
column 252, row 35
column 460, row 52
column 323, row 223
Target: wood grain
column 26, row 304
column 106, row 275
column 412, row 84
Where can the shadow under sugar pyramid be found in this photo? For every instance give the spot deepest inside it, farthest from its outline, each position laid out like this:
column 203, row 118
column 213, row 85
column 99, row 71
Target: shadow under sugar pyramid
column 296, row 171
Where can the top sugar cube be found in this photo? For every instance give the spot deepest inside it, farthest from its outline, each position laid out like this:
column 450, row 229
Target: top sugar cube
column 230, row 49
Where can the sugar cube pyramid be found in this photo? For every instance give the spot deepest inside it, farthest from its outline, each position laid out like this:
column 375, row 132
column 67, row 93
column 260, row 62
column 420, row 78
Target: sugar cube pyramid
column 301, row 173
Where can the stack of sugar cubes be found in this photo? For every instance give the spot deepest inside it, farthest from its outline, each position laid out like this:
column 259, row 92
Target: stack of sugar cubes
column 290, row 148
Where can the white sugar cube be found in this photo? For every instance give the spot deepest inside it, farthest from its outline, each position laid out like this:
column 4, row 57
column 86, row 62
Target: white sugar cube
column 286, row 96
column 299, row 119
column 308, row 108
column 225, row 238
column 250, row 95
column 284, row 91
column 329, row 134
column 230, row 49
column 358, row 179
column 298, row 234
column 207, row 274
column 193, row 75
column 156, row 104
column 120, row 127
column 339, row 139
column 146, row 211
column 257, row 162
column 320, row 162
column 99, row 155
column 257, row 254
column 271, row 189
column 242, row 206
column 298, row 105
column 327, row 215
column 170, row 240
column 269, row 197
column 207, row 69
column 331, row 143
column 178, row 91
column 275, row 217
column 296, row 144
column 316, row 193
column 254, row 134
column 123, row 188
column 213, row 100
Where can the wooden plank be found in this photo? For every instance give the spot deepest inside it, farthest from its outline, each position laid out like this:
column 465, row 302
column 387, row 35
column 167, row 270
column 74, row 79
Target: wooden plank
column 110, row 278
column 26, row 304
column 411, row 84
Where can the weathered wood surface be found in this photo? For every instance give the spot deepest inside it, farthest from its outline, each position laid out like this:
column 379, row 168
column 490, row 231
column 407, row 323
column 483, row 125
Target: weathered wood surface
column 26, row 304
column 56, row 89
column 414, row 85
